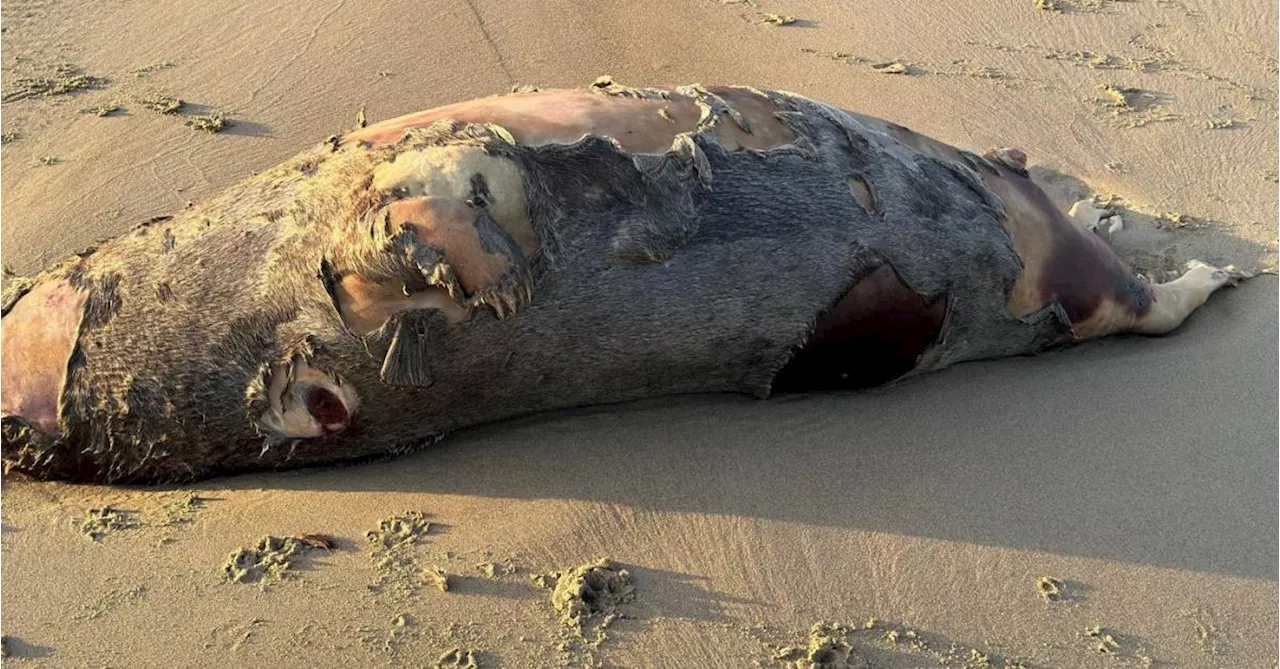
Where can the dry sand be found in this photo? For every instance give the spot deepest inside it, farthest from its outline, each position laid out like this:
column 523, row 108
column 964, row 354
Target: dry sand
column 1139, row 473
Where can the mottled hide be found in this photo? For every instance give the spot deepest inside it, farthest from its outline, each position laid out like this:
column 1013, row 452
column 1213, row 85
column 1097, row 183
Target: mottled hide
column 535, row 251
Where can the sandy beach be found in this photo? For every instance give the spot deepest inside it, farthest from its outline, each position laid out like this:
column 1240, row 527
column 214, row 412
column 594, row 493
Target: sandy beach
column 1111, row 505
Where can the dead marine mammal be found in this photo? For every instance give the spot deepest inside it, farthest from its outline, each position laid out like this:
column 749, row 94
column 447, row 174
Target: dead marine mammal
column 543, row 250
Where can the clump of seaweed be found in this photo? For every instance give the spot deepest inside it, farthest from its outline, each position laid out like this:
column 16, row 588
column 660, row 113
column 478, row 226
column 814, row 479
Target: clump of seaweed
column 213, row 122
column 161, row 102
column 9, row 136
column 778, row 19
column 66, row 78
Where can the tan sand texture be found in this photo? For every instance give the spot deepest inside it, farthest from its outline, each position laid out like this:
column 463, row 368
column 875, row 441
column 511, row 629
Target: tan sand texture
column 904, row 527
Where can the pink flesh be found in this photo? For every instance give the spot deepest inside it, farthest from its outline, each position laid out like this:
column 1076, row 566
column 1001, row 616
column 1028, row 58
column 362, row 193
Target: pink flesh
column 37, row 338
column 327, row 409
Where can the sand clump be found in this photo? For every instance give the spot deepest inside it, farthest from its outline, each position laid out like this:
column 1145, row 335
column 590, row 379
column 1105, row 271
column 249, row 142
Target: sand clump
column 66, row 78
column 493, row 570
column 456, row 658
column 892, row 67
column 394, row 554
column 110, row 601
column 179, row 508
column 144, row 72
column 162, row 103
column 98, row 523
column 267, row 562
column 828, row 648
column 438, row 577
column 841, row 646
column 590, row 597
column 212, row 123
column 1050, row 589
column 1122, row 650
column 104, row 109
column 1131, row 107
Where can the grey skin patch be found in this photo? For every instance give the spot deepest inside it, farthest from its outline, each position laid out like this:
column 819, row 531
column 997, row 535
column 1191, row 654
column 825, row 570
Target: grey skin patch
column 516, row 286
column 862, row 192
column 672, row 179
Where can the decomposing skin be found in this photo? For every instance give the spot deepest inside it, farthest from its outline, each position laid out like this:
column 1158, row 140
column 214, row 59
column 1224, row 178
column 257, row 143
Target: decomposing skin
column 541, row 250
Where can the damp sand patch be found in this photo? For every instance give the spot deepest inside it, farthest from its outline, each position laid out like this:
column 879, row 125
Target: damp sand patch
column 269, row 561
